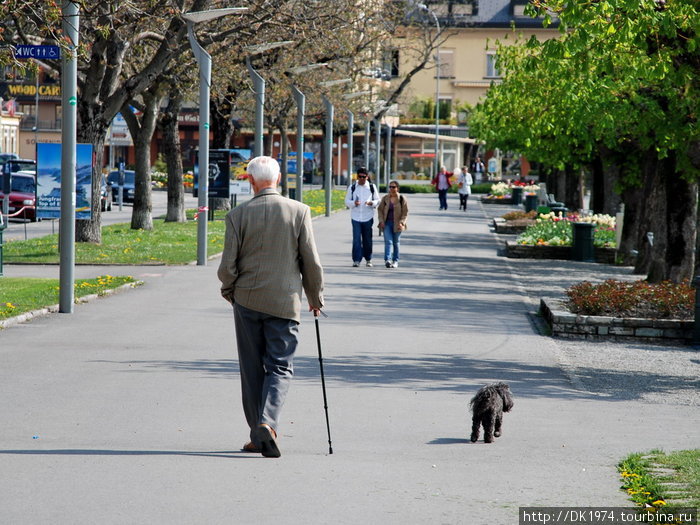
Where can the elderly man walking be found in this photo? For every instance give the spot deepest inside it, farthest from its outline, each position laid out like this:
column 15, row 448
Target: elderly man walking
column 269, row 256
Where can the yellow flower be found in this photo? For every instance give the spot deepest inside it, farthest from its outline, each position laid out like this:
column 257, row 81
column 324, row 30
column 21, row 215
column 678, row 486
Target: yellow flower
column 659, row 503
column 10, row 306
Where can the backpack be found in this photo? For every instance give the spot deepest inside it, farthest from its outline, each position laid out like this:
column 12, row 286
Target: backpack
column 371, row 188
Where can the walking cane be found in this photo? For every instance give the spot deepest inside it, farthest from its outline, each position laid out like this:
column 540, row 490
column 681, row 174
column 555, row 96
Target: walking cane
column 323, row 381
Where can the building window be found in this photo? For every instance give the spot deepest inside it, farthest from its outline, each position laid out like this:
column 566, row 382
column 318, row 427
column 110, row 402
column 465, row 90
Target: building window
column 447, row 63
column 390, row 62
column 491, row 70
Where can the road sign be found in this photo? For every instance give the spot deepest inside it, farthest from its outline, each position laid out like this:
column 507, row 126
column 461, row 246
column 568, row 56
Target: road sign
column 23, row 51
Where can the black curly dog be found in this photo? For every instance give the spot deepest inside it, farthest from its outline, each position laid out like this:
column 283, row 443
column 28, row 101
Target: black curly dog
column 488, row 406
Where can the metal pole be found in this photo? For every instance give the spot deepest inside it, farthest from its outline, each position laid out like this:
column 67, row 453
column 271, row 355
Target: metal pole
column 204, row 61
column 437, row 86
column 437, row 109
column 300, row 100
column 351, row 126
column 69, row 101
column 259, row 86
column 388, row 155
column 378, row 151
column 367, row 144
column 328, row 164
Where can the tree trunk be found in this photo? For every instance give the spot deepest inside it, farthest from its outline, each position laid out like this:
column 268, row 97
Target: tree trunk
column 572, row 192
column 651, row 213
column 90, row 230
column 597, row 203
column 559, row 189
column 142, row 134
column 632, row 198
column 285, row 156
column 222, row 124
column 173, row 159
column 674, row 258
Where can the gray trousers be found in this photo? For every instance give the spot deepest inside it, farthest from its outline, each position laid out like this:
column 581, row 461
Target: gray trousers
column 266, row 346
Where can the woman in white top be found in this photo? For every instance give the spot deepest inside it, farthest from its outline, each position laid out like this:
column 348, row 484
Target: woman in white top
column 464, row 182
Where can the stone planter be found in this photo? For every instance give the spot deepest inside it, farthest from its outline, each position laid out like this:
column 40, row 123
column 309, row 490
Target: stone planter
column 594, row 327
column 518, row 226
column 524, row 251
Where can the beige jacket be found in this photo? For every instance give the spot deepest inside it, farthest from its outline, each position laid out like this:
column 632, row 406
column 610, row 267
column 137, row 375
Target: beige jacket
column 400, row 212
column 269, row 255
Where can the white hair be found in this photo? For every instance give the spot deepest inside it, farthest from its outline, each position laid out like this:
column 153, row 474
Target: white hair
column 264, row 169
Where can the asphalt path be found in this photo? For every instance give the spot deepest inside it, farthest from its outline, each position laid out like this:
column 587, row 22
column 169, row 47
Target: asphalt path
column 128, row 410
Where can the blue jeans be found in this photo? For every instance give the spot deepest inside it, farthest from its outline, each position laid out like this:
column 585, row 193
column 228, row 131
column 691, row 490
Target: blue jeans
column 391, row 239
column 362, row 240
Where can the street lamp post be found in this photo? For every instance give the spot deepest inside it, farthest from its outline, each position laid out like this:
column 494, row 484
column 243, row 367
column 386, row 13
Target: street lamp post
column 367, row 124
column 300, row 100
column 259, row 87
column 378, row 150
column 351, row 125
column 437, row 86
column 327, row 165
column 69, row 80
column 204, row 61
column 388, row 154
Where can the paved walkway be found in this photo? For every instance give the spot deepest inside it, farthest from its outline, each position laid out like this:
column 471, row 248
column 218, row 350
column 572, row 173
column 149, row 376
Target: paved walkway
column 128, row 410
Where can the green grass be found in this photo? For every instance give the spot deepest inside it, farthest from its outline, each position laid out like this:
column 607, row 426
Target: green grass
column 20, row 295
column 646, row 485
column 316, row 200
column 166, row 243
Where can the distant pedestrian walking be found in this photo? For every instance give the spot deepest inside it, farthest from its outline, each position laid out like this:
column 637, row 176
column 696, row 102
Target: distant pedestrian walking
column 478, row 169
column 392, row 213
column 464, row 181
column 442, row 184
column 269, row 256
column 362, row 197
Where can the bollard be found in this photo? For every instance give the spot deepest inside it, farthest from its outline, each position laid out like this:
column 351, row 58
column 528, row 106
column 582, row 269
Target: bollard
column 516, row 193
column 696, row 322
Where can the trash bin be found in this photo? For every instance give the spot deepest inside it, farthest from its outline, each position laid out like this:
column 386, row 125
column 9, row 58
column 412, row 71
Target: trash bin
column 530, row 202
column 517, row 194
column 582, row 248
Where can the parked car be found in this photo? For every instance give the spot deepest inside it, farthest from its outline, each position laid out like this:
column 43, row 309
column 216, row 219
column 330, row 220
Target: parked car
column 22, row 203
column 106, row 197
column 4, row 157
column 129, row 185
column 20, row 164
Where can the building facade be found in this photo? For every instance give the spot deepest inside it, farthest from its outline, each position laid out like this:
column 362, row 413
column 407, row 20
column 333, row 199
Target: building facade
column 467, row 68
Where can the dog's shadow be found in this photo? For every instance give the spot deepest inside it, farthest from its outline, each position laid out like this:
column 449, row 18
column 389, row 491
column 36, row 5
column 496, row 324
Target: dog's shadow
column 448, row 441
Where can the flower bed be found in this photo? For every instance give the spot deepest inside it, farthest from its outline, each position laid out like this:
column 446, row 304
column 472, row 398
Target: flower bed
column 595, row 327
column 501, row 192
column 556, row 230
column 544, row 251
column 622, row 310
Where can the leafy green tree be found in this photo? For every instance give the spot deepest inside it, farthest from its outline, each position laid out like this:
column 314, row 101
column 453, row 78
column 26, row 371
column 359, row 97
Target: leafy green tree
column 622, row 81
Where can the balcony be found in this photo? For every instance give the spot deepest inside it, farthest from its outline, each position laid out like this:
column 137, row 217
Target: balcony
column 29, row 122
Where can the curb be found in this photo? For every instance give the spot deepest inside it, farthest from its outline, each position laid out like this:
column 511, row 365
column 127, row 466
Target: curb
column 28, row 316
